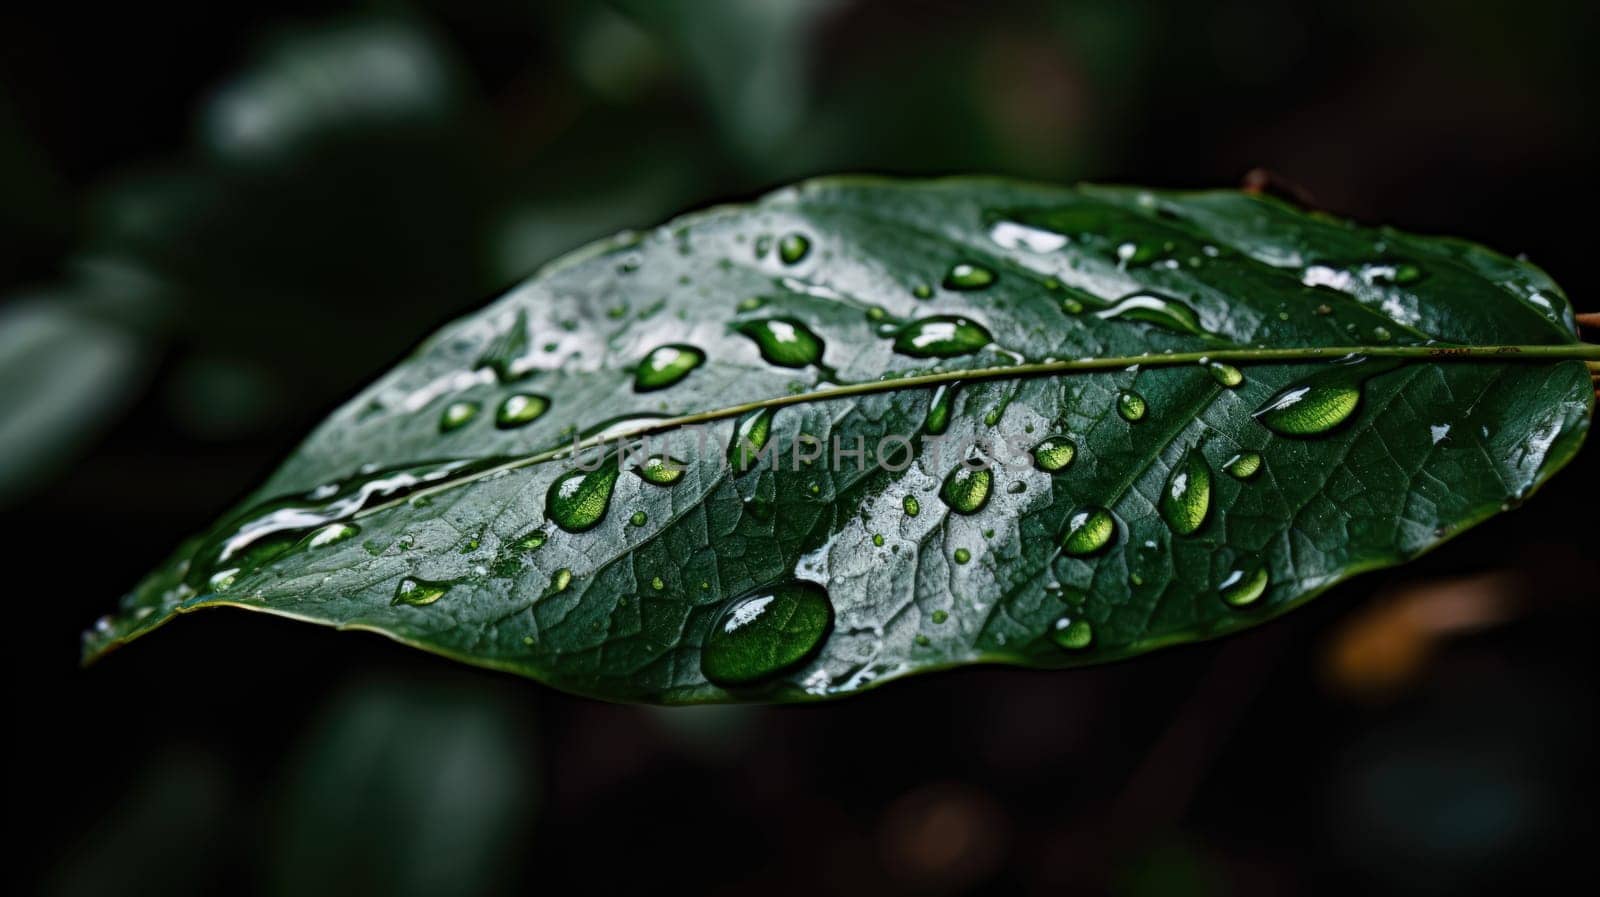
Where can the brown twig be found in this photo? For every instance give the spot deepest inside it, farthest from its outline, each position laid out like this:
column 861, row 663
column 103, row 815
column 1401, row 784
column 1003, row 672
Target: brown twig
column 1590, row 320
column 1259, row 181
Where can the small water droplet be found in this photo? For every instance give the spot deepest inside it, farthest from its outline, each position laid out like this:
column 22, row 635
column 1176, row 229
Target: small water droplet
column 1071, row 306
column 578, row 499
column 962, row 555
column 922, row 291
column 1244, row 465
column 457, row 415
column 968, row 276
column 657, row 583
column 922, row 640
column 793, row 247
column 1187, row 497
column 332, row 534
column 941, row 336
column 940, row 616
column 750, row 437
column 661, row 470
column 759, row 635
column 1054, row 453
column 1131, row 406
column 1152, row 308
column 966, row 489
column 520, row 410
column 940, row 407
column 665, row 366
column 912, row 506
column 877, row 539
column 784, row 341
column 530, row 542
column 1244, row 583
column 1089, row 529
column 419, row 592
column 560, row 581
column 1071, row 634
column 639, row 518
column 1225, row 374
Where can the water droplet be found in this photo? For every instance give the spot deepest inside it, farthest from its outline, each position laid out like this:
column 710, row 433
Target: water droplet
column 1071, row 306
column 657, row 583
column 793, row 247
column 666, row 365
column 520, row 410
column 662, row 470
column 966, row 489
column 1225, row 374
column 1054, row 453
column 1131, row 406
column 968, row 276
column 940, row 407
column 922, row 291
column 1381, row 334
column 457, row 415
column 1321, row 402
column 941, row 336
column 578, row 499
column 560, row 581
column 784, row 341
column 922, row 640
column 419, row 592
column 639, row 518
column 1244, row 465
column 962, row 555
column 940, row 616
column 912, row 506
column 750, row 437
column 530, row 542
column 1089, row 529
column 877, row 539
column 1014, row 235
column 1244, row 583
column 1152, row 308
column 1187, row 496
column 759, row 635
column 763, row 245
column 1073, row 635
column 332, row 534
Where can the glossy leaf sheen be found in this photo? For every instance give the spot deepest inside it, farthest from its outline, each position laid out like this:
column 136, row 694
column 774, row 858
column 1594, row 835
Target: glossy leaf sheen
column 620, row 602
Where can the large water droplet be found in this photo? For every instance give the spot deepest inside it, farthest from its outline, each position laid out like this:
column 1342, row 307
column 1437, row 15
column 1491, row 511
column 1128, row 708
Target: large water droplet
column 1187, row 496
column 1321, row 402
column 419, row 592
column 662, row 470
column 666, row 365
column 520, row 410
column 578, row 499
column 1152, row 308
column 1244, row 465
column 966, row 490
column 759, row 635
column 793, row 247
column 784, row 341
column 968, row 276
column 940, row 407
column 1072, row 634
column 1089, row 529
column 457, row 415
column 1244, row 583
column 750, row 436
column 1054, row 453
column 941, row 336
column 1131, row 406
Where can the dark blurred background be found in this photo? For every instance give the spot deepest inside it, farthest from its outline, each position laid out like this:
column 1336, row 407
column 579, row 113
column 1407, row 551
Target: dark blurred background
column 214, row 227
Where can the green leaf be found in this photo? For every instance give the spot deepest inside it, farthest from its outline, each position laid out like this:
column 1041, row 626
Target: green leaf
column 1205, row 459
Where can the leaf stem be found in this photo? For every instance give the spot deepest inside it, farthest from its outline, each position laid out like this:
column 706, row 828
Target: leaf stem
column 1587, row 352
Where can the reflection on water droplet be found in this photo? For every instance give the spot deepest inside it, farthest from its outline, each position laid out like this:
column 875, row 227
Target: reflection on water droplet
column 332, row 534
column 1131, row 406
column 520, row 410
column 1089, row 529
column 759, row 635
column 1187, row 496
column 793, row 247
column 1152, row 308
column 662, row 470
column 1073, row 635
column 750, row 437
column 966, row 490
column 1054, row 453
column 457, row 415
column 666, row 365
column 784, row 341
column 968, row 276
column 1244, row 583
column 578, row 499
column 419, row 592
column 1014, row 235
column 941, row 336
column 1244, row 465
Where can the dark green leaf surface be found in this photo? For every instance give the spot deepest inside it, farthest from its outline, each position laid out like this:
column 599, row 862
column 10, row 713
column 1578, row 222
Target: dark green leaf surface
column 1139, row 536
